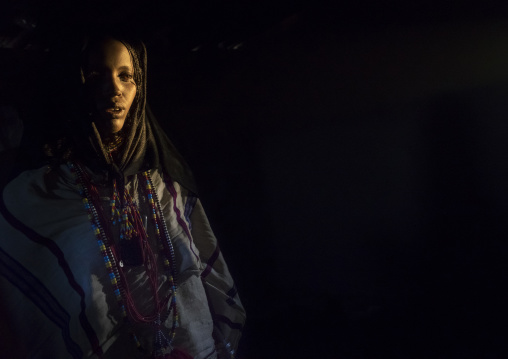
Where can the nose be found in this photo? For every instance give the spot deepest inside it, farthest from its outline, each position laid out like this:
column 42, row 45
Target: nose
column 111, row 87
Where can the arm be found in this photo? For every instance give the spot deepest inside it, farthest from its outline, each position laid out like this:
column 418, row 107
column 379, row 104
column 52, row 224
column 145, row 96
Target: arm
column 225, row 305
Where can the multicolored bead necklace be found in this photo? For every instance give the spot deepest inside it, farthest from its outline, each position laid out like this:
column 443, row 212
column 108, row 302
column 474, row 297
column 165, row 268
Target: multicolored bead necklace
column 126, row 213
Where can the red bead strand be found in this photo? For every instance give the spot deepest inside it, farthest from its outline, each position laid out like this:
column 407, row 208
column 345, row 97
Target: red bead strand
column 133, row 228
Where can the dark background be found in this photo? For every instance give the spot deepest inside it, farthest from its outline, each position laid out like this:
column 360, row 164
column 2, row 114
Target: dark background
column 352, row 159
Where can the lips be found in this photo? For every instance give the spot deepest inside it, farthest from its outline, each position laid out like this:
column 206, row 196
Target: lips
column 113, row 112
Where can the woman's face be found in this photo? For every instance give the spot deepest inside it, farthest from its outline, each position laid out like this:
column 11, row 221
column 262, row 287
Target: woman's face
column 110, row 78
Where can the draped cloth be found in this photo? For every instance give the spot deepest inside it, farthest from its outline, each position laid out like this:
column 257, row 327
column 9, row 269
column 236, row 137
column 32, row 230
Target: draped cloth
column 56, row 287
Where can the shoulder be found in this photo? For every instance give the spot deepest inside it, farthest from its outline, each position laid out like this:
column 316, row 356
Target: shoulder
column 174, row 195
column 174, row 187
column 39, row 190
column 43, row 181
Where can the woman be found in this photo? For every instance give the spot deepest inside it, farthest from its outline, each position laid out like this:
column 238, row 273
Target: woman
column 107, row 252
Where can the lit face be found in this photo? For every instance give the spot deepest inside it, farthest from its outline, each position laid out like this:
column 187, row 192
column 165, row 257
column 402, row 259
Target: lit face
column 109, row 77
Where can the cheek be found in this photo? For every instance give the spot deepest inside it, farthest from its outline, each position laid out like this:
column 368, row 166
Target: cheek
column 130, row 94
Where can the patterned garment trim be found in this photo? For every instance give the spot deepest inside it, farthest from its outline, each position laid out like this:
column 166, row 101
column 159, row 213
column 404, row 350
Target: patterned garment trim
column 189, row 207
column 210, row 262
column 172, row 191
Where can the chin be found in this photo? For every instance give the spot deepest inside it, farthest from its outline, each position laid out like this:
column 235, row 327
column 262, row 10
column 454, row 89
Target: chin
column 117, row 125
column 111, row 126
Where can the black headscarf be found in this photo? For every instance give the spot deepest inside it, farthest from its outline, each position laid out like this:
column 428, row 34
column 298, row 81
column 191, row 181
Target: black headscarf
column 145, row 145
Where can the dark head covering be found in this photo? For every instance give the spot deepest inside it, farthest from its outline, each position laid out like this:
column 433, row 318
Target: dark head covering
column 145, row 145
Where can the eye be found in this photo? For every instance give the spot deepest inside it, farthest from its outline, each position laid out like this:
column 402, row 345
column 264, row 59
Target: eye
column 126, row 76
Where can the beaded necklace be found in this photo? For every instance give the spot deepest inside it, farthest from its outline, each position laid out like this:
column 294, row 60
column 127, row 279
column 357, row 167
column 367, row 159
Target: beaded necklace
column 132, row 229
column 114, row 142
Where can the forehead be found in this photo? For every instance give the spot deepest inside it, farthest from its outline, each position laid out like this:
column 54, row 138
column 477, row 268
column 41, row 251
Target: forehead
column 109, row 53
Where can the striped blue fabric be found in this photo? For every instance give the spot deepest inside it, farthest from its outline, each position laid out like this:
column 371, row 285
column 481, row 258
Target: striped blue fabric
column 57, row 252
column 34, row 290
